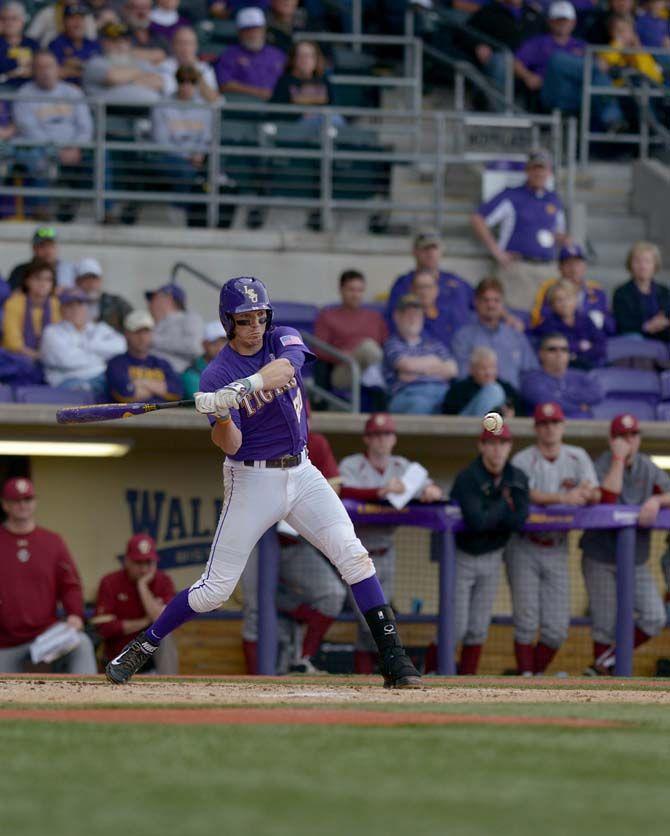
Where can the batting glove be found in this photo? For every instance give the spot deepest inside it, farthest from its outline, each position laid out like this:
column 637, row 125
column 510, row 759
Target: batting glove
column 205, row 403
column 232, row 395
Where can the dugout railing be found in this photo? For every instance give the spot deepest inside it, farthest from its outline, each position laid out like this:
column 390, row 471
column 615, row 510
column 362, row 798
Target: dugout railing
column 443, row 521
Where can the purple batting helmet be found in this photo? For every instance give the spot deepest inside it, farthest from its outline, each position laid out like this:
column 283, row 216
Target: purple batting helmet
column 240, row 295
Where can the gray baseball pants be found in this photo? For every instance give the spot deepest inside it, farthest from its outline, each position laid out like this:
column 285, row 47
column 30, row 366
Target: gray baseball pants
column 477, row 580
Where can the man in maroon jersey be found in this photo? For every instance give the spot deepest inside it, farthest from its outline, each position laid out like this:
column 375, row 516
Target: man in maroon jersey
column 131, row 599
column 37, row 574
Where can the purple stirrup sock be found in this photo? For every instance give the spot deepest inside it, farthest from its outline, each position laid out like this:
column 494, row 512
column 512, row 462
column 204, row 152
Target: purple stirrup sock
column 368, row 594
column 176, row 613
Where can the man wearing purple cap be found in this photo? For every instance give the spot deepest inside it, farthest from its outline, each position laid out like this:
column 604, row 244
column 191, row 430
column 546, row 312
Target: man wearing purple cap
column 591, row 300
column 178, row 332
column 75, row 351
column 251, row 67
column 72, row 48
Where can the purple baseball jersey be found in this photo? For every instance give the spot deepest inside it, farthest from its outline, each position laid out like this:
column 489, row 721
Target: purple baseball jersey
column 273, row 423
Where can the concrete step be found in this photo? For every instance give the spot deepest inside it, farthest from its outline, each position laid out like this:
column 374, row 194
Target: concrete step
column 620, row 227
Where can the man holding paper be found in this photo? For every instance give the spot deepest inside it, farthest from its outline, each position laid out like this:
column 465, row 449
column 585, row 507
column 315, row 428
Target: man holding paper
column 378, row 475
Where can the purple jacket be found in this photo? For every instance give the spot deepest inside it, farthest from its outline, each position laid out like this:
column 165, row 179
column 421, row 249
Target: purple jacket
column 651, row 30
column 586, row 341
column 576, row 391
column 259, row 69
column 535, row 53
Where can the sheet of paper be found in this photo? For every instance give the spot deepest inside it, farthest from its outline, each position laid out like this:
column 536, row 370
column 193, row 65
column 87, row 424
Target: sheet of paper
column 413, row 478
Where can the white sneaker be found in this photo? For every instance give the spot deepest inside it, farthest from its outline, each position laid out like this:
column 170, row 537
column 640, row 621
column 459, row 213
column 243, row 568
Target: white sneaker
column 306, row 666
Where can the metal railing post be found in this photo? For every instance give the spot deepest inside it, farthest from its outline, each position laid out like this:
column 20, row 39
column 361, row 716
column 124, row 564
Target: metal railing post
column 644, row 122
column 357, row 22
column 100, row 163
column 268, row 578
column 625, row 590
column 586, row 108
column 556, row 139
column 459, row 92
column 440, row 168
column 416, row 91
column 446, row 628
column 509, row 80
column 214, row 168
column 571, row 188
column 326, row 173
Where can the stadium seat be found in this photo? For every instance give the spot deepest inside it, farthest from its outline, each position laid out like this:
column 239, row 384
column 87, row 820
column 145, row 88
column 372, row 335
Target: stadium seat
column 296, row 314
column 360, row 179
column 51, row 395
column 663, row 411
column 626, row 348
column 6, row 394
column 635, row 383
column 642, row 410
column 665, row 385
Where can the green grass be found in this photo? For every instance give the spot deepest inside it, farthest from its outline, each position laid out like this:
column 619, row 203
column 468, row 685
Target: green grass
column 68, row 779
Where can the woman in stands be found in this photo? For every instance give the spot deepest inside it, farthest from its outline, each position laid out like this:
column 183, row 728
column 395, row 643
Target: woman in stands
column 586, row 341
column 642, row 305
column 304, row 81
column 27, row 312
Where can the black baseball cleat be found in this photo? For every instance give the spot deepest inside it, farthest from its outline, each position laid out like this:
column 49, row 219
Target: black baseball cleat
column 132, row 658
column 398, row 670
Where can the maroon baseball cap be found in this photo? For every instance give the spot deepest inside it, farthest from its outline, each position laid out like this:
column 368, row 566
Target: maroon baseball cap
column 505, row 434
column 548, row 413
column 141, row 547
column 15, row 489
column 623, row 424
column 380, row 422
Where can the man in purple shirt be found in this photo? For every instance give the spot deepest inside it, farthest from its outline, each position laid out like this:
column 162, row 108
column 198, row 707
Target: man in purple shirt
column 71, row 48
column 552, row 65
column 417, row 367
column 251, row 67
column 16, row 49
column 576, row 391
column 255, row 400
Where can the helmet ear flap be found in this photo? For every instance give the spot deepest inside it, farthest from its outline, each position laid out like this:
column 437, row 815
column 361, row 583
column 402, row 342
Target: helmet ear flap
column 268, row 324
column 228, row 323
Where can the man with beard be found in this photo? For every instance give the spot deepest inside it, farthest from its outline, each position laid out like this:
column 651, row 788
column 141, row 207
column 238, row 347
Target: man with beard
column 102, row 306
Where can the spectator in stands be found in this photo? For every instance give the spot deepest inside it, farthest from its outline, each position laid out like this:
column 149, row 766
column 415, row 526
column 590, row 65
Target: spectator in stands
column 29, row 310
column 285, row 18
column 7, row 127
column 252, row 67
column 587, row 343
column 37, row 576
column 591, row 298
column 16, row 48
column 597, row 31
column 627, row 477
column 45, row 248
column 75, row 351
column 213, row 340
column 574, row 390
column 62, row 118
column 102, row 306
column 507, row 22
column 456, row 294
column 188, row 132
column 624, row 37
column 138, row 375
column 494, row 500
column 439, row 322
column 47, row 24
column 185, row 54
column 537, row 562
column 165, row 20
column 642, row 305
column 353, row 328
column 368, row 477
column 653, row 29
column 532, row 222
column 512, row 348
column 117, row 75
column 104, row 11
column 146, row 46
column 418, row 369
column 177, row 335
column 72, row 48
column 552, row 66
column 482, row 390
column 130, row 599
column 304, row 81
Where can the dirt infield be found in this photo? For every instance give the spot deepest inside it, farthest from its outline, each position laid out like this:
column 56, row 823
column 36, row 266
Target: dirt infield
column 290, row 716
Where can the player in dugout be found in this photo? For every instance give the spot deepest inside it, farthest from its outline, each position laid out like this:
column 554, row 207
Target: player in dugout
column 254, row 397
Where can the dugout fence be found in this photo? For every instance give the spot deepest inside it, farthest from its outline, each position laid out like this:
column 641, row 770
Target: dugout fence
column 426, row 572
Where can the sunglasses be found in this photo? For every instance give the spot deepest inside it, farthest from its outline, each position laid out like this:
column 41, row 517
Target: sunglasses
column 250, row 322
column 562, row 348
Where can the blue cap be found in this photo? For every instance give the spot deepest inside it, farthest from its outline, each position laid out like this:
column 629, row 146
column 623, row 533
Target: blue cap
column 72, row 294
column 173, row 290
column 571, row 251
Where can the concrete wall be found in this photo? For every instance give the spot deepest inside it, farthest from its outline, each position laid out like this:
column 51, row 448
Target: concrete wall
column 651, row 198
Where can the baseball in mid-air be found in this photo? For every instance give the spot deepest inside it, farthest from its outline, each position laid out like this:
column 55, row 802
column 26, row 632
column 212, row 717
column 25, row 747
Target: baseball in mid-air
column 493, row 422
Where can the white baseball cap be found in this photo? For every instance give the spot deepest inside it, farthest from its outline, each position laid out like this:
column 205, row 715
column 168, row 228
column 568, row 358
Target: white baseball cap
column 250, row 17
column 562, row 10
column 89, row 267
column 213, row 331
column 137, row 320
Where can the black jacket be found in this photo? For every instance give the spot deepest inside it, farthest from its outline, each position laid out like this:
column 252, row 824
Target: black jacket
column 490, row 511
column 497, row 21
column 628, row 311
column 461, row 392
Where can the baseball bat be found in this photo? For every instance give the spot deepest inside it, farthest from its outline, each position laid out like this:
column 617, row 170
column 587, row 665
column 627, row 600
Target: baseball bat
column 112, row 411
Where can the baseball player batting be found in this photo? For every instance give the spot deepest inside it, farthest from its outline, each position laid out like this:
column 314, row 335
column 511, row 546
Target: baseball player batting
column 254, row 397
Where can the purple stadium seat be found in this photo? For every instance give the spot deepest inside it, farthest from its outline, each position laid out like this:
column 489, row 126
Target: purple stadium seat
column 50, row 395
column 642, row 410
column 296, row 314
column 665, row 386
column 6, row 394
column 630, row 383
column 626, row 348
column 663, row 411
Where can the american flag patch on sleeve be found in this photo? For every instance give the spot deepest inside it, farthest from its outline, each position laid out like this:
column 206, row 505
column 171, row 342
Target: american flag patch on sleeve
column 290, row 339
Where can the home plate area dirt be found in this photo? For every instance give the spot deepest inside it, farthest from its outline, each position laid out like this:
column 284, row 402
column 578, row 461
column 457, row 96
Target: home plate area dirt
column 341, row 700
